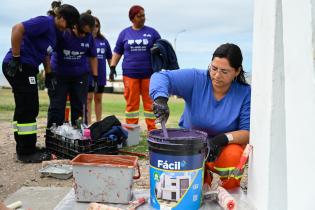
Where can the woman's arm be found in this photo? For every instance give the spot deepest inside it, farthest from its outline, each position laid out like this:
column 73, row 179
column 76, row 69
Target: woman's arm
column 16, row 39
column 115, row 59
column 239, row 137
column 93, row 63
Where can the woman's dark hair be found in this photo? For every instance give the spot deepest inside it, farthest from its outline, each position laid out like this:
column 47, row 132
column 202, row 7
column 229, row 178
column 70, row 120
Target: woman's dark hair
column 234, row 55
column 99, row 34
column 66, row 11
column 86, row 19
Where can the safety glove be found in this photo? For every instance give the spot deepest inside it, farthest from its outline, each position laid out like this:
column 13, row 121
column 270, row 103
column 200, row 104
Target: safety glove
column 220, row 140
column 14, row 66
column 112, row 73
column 95, row 84
column 216, row 144
column 161, row 109
column 50, row 81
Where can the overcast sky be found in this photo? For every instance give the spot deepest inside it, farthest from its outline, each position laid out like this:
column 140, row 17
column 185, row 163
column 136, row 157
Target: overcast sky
column 208, row 23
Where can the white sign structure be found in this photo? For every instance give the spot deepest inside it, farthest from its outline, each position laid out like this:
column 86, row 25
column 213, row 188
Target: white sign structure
column 283, row 106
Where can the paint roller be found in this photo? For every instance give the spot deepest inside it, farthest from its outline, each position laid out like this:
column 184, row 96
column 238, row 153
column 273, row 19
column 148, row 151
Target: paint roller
column 15, row 205
column 223, row 197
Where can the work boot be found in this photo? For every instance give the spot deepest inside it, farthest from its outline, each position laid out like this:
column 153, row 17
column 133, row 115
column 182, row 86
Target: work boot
column 40, row 155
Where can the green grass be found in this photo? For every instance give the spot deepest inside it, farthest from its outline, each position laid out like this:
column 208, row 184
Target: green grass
column 113, row 104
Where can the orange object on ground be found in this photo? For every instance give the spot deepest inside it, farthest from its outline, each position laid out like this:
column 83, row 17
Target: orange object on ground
column 67, row 110
column 226, row 166
column 133, row 89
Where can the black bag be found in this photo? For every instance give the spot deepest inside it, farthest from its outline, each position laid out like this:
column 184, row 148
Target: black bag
column 99, row 128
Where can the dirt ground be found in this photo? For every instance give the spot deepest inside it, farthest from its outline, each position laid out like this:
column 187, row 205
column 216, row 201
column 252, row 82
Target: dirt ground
column 14, row 174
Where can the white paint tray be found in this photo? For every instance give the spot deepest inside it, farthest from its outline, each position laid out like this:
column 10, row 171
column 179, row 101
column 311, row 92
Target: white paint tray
column 59, row 171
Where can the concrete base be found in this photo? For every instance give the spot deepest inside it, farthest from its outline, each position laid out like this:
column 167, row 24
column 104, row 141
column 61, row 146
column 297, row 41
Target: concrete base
column 63, row 198
column 38, row 198
column 69, row 202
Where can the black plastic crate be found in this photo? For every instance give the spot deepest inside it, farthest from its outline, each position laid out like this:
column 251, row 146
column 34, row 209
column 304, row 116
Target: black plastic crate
column 64, row 147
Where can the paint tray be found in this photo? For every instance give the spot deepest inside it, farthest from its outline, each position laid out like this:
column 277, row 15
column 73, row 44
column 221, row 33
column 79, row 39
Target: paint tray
column 59, row 171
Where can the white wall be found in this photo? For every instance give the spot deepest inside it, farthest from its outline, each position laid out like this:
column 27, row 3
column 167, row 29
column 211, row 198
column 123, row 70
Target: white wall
column 283, row 105
column 298, row 36
column 267, row 175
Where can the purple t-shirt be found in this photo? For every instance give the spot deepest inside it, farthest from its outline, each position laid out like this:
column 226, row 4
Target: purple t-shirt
column 72, row 54
column 103, row 52
column 39, row 40
column 135, row 46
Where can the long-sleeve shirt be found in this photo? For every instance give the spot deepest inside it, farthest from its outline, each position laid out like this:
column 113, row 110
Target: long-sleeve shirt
column 202, row 110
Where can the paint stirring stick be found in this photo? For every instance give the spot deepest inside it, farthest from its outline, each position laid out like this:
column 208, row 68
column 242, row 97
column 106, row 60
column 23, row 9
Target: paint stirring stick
column 164, row 129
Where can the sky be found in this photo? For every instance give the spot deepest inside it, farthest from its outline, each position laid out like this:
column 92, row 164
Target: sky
column 199, row 26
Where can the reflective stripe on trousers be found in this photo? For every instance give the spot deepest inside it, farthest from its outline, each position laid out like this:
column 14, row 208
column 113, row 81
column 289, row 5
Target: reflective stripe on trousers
column 149, row 115
column 130, row 115
column 229, row 172
column 26, row 128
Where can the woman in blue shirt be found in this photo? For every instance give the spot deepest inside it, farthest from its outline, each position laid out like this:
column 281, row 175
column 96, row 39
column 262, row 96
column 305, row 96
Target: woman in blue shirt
column 32, row 43
column 217, row 101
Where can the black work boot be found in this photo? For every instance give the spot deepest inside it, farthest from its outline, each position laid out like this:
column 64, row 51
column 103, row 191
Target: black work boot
column 41, row 154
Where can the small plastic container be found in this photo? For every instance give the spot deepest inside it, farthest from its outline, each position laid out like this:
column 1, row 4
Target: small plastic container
column 104, row 178
column 133, row 134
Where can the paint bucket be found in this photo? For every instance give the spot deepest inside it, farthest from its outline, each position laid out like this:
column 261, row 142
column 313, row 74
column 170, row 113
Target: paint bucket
column 176, row 168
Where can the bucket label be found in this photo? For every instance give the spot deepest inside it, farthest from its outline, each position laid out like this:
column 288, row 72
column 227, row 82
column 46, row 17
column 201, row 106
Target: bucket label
column 176, row 181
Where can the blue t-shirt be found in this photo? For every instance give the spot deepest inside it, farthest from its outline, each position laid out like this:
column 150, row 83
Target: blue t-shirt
column 72, row 54
column 135, row 45
column 202, row 111
column 39, row 40
column 104, row 52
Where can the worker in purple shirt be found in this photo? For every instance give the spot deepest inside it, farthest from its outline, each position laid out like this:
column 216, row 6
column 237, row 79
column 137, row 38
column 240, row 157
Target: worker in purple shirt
column 32, row 42
column 75, row 48
column 104, row 53
column 135, row 43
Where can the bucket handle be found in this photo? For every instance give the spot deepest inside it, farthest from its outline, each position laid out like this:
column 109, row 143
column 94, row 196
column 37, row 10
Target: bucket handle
column 139, row 174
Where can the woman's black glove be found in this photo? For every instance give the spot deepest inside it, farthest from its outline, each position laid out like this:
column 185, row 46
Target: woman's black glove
column 50, row 81
column 216, row 144
column 14, row 66
column 112, row 73
column 220, row 140
column 161, row 109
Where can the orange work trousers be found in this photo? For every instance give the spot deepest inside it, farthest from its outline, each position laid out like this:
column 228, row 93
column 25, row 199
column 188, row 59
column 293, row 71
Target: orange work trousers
column 133, row 89
column 225, row 166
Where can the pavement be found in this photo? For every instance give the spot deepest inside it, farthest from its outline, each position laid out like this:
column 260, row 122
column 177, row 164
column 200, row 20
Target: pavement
column 63, row 198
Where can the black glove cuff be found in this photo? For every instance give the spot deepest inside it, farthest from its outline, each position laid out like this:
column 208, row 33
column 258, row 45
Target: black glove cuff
column 95, row 77
column 112, row 68
column 220, row 140
column 161, row 99
column 16, row 58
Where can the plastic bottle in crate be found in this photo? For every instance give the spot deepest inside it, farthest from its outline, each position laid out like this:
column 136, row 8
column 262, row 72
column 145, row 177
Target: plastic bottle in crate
column 86, row 137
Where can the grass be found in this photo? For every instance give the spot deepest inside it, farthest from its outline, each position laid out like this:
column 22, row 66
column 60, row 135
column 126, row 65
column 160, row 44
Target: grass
column 113, row 104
